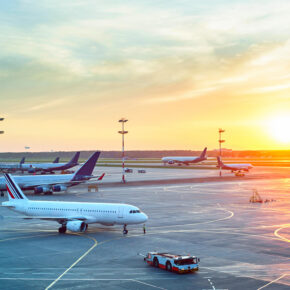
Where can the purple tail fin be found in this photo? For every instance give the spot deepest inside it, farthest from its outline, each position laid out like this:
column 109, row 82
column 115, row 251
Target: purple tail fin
column 75, row 159
column 87, row 169
column 56, row 160
column 202, row 155
column 220, row 163
column 22, row 160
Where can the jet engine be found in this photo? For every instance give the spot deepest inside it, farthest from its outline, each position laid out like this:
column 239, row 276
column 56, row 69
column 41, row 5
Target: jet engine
column 58, row 188
column 31, row 170
column 76, row 226
column 41, row 189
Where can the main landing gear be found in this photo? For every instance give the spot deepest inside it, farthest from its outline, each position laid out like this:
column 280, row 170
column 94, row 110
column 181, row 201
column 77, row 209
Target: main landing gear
column 125, row 231
column 62, row 229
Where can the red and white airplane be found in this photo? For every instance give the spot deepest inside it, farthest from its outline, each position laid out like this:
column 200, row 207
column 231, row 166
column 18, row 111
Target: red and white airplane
column 234, row 167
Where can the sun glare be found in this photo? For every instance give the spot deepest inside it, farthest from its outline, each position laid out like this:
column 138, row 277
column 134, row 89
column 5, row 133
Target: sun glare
column 279, row 127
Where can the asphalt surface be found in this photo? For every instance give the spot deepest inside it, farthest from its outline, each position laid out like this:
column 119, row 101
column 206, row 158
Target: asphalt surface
column 241, row 245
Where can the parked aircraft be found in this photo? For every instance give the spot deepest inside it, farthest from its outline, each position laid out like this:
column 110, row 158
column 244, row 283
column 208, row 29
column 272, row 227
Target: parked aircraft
column 234, row 167
column 186, row 160
column 48, row 184
column 52, row 167
column 73, row 216
column 56, row 160
column 12, row 167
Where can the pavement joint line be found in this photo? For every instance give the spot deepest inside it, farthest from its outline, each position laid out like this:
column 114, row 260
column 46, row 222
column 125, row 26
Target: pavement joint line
column 76, row 262
column 26, row 237
column 274, row 281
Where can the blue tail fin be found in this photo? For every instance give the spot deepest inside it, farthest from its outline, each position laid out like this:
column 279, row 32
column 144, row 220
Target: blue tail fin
column 56, row 160
column 75, row 158
column 87, row 169
column 22, row 160
column 202, row 155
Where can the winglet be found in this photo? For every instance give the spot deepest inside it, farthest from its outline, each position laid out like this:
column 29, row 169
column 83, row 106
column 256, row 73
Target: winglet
column 14, row 191
column 102, row 176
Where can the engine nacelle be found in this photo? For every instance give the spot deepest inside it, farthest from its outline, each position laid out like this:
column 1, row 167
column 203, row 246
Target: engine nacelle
column 170, row 162
column 76, row 226
column 31, row 170
column 41, row 189
column 58, row 188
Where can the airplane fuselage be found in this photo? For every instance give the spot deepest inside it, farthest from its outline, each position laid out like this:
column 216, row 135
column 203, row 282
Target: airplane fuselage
column 103, row 213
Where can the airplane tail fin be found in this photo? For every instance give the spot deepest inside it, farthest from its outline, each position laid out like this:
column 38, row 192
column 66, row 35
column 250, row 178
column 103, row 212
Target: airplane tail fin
column 219, row 160
column 202, row 155
column 75, row 158
column 87, row 169
column 22, row 160
column 14, row 191
column 56, row 160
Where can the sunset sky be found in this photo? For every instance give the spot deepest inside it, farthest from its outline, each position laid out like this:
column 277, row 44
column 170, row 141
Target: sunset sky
column 178, row 70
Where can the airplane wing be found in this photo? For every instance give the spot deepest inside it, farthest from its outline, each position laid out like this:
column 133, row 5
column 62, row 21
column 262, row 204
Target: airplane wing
column 68, row 183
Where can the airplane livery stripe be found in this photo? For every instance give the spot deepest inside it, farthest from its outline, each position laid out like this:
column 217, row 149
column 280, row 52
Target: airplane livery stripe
column 13, row 187
column 11, row 195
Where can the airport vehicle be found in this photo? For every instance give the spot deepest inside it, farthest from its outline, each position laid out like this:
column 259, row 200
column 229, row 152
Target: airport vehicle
column 185, row 160
column 172, row 262
column 51, row 167
column 235, row 168
column 12, row 167
column 73, row 216
column 141, row 171
column 48, row 184
column 128, row 170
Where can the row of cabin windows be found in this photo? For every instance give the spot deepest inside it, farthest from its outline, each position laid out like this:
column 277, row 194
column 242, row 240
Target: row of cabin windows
column 65, row 209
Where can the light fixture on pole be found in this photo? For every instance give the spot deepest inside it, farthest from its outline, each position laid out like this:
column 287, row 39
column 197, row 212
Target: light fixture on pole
column 1, row 119
column 220, row 144
column 123, row 132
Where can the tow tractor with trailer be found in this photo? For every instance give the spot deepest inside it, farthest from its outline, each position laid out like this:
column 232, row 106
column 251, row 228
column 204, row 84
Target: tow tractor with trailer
column 172, row 262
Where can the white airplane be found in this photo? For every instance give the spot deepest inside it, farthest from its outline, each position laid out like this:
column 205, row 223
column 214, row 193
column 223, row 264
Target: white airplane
column 73, row 216
column 51, row 167
column 234, row 167
column 48, row 184
column 185, row 159
column 12, row 167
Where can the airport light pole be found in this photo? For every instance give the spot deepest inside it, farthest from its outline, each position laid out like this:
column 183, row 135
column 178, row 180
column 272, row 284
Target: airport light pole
column 220, row 144
column 123, row 132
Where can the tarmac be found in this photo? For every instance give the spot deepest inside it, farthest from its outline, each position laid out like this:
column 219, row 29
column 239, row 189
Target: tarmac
column 241, row 245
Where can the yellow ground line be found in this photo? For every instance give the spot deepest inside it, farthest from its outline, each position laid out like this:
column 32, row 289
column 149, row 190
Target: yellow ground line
column 76, row 262
column 273, row 281
column 281, row 237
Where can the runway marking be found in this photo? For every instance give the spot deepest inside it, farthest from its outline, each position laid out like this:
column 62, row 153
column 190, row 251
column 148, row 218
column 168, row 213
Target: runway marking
column 284, row 275
column 76, row 262
column 148, row 284
column 281, row 237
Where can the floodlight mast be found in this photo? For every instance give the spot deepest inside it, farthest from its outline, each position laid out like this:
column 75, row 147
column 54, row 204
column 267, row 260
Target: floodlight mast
column 123, row 132
column 220, row 145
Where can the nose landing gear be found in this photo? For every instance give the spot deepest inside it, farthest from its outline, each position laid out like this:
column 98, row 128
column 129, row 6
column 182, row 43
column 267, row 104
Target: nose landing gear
column 125, row 231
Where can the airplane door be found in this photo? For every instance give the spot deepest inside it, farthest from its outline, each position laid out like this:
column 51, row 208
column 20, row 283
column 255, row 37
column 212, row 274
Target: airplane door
column 120, row 212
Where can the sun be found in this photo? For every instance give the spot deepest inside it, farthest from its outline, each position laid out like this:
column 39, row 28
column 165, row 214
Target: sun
column 279, row 127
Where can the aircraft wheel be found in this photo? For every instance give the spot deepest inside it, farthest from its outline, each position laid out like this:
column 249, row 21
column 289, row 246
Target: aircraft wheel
column 62, row 230
column 125, row 232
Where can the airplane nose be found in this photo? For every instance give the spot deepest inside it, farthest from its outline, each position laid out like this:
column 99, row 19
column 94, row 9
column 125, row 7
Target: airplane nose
column 144, row 218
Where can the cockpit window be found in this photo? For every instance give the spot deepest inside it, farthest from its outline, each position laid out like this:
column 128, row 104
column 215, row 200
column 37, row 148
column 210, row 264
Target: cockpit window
column 134, row 211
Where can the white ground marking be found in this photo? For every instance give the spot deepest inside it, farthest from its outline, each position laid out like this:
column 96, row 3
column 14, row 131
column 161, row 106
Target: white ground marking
column 274, row 281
